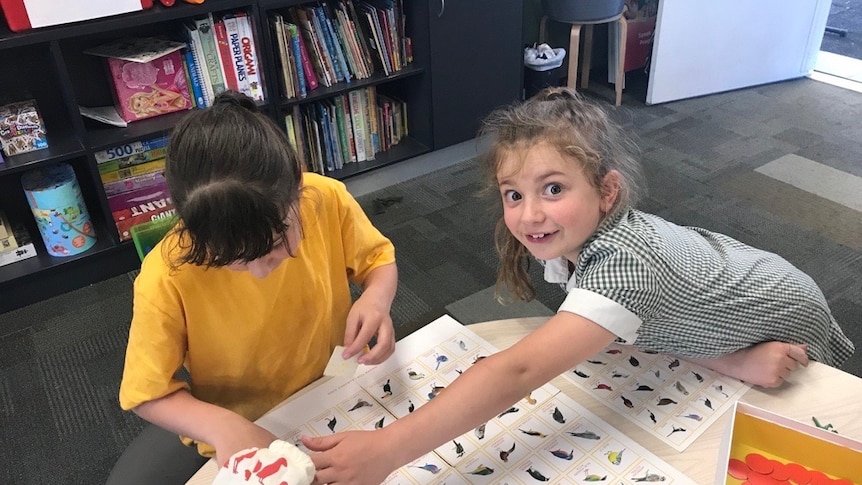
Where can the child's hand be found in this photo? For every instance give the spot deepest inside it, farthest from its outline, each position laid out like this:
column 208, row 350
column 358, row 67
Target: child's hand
column 767, row 364
column 240, row 434
column 367, row 319
column 350, row 458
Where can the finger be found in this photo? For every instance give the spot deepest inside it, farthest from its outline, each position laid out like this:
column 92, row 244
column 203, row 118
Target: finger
column 799, row 354
column 384, row 347
column 322, row 443
column 350, row 331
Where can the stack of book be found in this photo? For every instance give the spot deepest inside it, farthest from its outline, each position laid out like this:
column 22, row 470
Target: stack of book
column 346, row 128
column 332, row 42
column 133, row 177
column 222, row 55
column 15, row 242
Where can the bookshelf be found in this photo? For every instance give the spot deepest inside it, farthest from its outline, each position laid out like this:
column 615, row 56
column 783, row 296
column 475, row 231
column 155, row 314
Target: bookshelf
column 49, row 65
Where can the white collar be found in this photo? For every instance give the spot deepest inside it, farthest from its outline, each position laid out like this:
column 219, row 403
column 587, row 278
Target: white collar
column 556, row 270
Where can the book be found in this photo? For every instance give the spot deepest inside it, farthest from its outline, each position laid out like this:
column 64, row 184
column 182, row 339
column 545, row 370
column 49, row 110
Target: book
column 237, row 62
column 292, row 40
column 307, row 69
column 299, row 17
column 132, row 183
column 250, row 57
column 210, row 51
column 357, row 120
column 145, row 199
column 130, row 161
column 194, row 42
column 225, row 56
column 124, row 173
column 289, row 86
column 195, row 82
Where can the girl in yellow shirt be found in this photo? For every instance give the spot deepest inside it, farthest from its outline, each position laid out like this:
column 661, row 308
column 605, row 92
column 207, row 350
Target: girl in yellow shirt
column 248, row 294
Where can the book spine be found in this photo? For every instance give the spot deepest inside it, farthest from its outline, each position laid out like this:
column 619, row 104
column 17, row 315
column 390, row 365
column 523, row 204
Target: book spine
column 356, row 119
column 126, row 150
column 340, row 56
column 211, row 57
column 293, row 39
column 249, row 57
column 235, row 44
column 307, row 69
column 225, row 56
column 152, row 155
column 125, row 220
column 144, row 199
column 137, row 182
column 197, row 53
column 328, row 48
column 194, row 78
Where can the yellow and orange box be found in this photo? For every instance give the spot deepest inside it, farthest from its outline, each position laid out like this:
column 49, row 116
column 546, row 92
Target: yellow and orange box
column 760, row 446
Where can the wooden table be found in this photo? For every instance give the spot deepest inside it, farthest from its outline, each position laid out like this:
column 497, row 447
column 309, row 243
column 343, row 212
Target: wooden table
column 833, row 396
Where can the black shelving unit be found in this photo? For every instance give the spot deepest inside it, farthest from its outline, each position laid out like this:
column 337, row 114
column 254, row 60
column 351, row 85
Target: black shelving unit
column 475, row 66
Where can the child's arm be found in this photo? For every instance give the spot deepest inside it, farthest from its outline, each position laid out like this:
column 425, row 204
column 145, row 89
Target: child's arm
column 369, row 316
column 766, row 364
column 182, row 413
column 484, row 390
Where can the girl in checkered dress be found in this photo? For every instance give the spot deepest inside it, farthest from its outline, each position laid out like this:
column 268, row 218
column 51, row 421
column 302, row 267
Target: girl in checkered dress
column 568, row 185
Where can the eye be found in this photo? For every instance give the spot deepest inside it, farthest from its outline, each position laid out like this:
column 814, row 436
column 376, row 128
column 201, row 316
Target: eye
column 553, row 189
column 511, row 196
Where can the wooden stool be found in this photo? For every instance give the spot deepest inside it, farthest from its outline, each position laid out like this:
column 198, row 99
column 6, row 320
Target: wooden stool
column 574, row 45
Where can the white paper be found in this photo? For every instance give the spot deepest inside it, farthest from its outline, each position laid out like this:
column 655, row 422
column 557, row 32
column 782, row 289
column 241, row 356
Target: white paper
column 52, row 12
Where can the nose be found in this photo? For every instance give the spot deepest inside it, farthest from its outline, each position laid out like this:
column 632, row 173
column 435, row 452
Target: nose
column 533, row 211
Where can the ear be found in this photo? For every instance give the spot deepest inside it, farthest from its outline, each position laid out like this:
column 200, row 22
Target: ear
column 610, row 190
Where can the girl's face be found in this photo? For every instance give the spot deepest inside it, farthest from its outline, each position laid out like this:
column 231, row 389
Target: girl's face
column 282, row 248
column 548, row 203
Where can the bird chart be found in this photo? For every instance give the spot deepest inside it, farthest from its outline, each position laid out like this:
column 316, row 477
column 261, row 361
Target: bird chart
column 672, row 399
column 546, row 437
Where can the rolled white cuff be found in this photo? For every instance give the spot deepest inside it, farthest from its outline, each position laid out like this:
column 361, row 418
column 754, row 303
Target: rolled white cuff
column 604, row 312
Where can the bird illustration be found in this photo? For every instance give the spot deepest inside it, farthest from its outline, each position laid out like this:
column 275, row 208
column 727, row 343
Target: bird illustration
column 435, row 389
column 478, row 358
column 558, row 416
column 440, row 359
column 504, row 454
column 330, row 423
column 720, row 388
column 596, row 362
column 562, row 454
column 434, row 469
column 512, row 409
column 459, row 449
column 533, row 433
column 613, row 351
column 652, row 416
column 657, row 373
column 643, row 387
column 615, row 457
column 587, row 435
column 633, row 361
column 415, row 376
column 679, row 387
column 649, row 477
column 411, row 407
column 379, row 424
column 665, row 401
column 592, row 477
column 697, row 376
column 462, row 345
column 693, row 416
column 673, row 364
column 480, row 431
column 708, row 403
column 827, row 427
column 459, row 371
column 627, row 402
column 481, row 470
column 603, row 387
column 387, row 390
column 676, row 430
column 529, row 398
column 538, row 476
column 581, row 374
column 271, row 469
column 360, row 403
column 617, row 375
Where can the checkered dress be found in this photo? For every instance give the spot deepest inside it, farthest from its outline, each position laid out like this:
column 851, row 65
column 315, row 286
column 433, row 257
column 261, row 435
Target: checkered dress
column 695, row 293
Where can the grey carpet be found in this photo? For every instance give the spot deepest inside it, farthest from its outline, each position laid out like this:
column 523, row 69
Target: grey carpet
column 61, row 360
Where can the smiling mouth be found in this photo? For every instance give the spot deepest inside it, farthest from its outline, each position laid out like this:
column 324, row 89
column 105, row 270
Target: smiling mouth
column 540, row 236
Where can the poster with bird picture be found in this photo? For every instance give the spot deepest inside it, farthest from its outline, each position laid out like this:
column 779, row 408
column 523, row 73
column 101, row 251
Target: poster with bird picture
column 674, row 400
column 545, row 437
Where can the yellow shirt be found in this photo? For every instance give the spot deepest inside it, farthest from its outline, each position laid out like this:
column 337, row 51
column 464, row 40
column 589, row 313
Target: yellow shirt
column 249, row 343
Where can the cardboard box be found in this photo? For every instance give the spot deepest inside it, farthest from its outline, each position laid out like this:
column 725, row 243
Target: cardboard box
column 28, row 14
column 21, row 128
column 759, row 443
column 147, row 75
